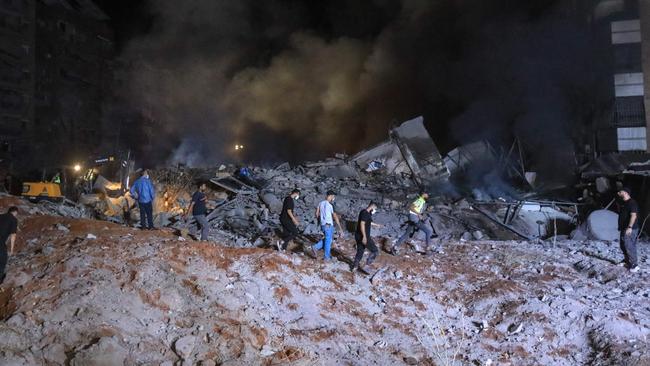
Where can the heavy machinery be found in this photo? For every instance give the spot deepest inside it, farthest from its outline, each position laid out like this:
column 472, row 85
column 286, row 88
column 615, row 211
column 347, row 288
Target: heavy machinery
column 84, row 177
column 109, row 174
column 43, row 189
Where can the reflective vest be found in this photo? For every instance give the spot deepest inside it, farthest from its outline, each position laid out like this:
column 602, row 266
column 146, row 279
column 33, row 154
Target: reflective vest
column 418, row 205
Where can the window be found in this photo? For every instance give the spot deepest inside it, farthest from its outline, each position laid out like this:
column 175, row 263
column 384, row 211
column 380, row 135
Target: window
column 628, row 84
column 629, row 112
column 626, row 31
column 627, row 58
column 632, row 139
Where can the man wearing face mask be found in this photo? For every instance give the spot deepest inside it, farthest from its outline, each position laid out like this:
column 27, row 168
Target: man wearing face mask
column 288, row 220
column 363, row 238
column 417, row 221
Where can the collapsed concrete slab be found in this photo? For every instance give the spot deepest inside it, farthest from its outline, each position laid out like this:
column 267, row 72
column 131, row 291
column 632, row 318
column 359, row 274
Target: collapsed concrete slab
column 385, row 157
column 420, row 152
column 462, row 156
column 411, row 150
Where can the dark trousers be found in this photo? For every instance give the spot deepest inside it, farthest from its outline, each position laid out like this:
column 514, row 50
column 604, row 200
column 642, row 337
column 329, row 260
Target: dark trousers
column 361, row 248
column 3, row 261
column 289, row 232
column 146, row 215
column 628, row 246
column 202, row 223
column 415, row 224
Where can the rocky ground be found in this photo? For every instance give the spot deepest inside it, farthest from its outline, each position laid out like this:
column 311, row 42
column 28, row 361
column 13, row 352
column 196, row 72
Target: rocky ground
column 87, row 292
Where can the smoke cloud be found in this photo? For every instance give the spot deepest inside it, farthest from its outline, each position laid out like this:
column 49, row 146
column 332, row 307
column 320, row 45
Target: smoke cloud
column 293, row 82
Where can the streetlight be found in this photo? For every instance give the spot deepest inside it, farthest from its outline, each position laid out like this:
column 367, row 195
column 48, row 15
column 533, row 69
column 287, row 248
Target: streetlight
column 77, row 168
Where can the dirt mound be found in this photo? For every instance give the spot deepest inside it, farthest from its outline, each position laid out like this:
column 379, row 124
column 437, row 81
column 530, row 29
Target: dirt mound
column 124, row 296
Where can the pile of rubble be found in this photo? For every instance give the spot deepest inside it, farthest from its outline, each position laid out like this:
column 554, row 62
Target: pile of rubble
column 178, row 302
column 245, row 202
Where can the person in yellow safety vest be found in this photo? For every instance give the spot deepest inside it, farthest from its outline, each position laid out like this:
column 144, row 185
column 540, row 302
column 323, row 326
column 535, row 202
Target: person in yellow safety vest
column 417, row 221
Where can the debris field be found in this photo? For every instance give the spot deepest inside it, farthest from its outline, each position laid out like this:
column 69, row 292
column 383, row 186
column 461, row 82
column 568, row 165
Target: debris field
column 87, row 292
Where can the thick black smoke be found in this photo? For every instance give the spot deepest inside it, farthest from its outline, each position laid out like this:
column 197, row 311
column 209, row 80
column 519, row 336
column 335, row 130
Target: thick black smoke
column 292, row 81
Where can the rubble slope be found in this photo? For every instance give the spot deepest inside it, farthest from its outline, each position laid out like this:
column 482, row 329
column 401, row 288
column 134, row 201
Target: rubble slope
column 124, row 296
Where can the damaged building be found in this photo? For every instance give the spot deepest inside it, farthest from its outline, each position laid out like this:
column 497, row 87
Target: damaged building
column 58, row 68
column 520, row 267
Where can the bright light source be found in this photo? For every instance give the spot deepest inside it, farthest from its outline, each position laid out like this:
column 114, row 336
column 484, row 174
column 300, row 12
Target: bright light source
column 77, row 168
column 239, row 147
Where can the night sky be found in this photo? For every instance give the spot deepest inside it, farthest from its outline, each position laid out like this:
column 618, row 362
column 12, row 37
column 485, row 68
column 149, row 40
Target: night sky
column 297, row 80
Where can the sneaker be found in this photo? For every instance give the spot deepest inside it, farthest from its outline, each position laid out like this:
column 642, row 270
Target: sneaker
column 621, row 264
column 311, row 250
column 634, row 269
column 394, row 251
column 353, row 267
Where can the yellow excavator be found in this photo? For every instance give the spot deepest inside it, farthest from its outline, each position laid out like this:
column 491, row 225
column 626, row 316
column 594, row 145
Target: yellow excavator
column 80, row 178
column 44, row 190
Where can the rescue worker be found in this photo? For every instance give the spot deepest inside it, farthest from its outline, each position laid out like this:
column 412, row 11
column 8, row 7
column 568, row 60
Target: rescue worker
column 363, row 238
column 8, row 229
column 417, row 221
column 288, row 220
column 326, row 217
column 144, row 192
column 57, row 178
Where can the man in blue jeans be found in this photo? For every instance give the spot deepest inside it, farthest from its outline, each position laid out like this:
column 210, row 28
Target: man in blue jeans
column 326, row 217
column 143, row 191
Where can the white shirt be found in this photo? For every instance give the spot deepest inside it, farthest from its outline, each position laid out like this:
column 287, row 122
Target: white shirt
column 326, row 210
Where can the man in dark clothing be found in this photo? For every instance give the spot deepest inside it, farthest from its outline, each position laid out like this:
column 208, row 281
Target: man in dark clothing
column 199, row 210
column 363, row 238
column 628, row 225
column 288, row 220
column 8, row 228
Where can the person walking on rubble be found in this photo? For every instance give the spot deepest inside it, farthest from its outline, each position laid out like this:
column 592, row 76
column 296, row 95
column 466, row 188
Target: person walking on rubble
column 628, row 225
column 363, row 238
column 144, row 192
column 199, row 210
column 326, row 216
column 288, row 220
column 8, row 229
column 417, row 221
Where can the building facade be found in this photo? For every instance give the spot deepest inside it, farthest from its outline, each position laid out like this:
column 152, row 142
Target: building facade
column 627, row 30
column 17, row 59
column 74, row 47
column 56, row 71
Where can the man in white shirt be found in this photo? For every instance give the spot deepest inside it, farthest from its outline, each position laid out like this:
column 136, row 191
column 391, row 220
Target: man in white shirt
column 326, row 217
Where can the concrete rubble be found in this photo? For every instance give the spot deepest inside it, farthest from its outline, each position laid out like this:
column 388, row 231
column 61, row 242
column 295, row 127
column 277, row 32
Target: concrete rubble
column 131, row 297
column 513, row 279
column 245, row 202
